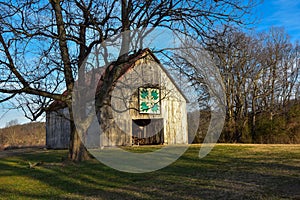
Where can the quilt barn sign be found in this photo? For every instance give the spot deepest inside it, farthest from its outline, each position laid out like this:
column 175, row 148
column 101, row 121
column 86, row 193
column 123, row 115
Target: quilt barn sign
column 149, row 100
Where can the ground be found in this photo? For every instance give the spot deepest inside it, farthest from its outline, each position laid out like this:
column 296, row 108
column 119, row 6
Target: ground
column 228, row 172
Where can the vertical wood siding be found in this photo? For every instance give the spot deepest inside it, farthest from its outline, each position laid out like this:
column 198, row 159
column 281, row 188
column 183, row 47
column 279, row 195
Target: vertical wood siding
column 117, row 127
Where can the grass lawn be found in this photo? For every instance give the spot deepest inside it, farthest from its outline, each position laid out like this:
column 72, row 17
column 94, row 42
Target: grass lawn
column 228, row 172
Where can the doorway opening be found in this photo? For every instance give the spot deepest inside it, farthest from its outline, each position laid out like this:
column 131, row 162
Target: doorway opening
column 147, row 131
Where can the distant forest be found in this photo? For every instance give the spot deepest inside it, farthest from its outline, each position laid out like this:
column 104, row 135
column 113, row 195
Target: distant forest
column 22, row 135
column 260, row 72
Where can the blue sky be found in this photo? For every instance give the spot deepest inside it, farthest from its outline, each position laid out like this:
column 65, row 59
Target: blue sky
column 7, row 115
column 281, row 13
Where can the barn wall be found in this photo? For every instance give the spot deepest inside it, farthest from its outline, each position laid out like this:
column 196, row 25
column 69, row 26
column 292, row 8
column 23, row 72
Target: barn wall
column 114, row 129
column 125, row 103
column 117, row 125
column 57, row 129
column 174, row 112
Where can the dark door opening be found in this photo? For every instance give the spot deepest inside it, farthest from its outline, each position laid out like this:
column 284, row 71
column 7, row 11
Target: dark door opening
column 147, row 131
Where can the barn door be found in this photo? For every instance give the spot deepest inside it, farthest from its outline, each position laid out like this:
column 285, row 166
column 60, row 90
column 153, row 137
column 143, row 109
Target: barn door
column 147, row 131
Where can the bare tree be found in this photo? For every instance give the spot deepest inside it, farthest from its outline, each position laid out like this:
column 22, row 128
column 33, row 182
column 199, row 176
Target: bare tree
column 260, row 73
column 44, row 44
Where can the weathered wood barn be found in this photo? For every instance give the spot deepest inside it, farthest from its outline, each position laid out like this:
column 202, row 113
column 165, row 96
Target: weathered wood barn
column 146, row 107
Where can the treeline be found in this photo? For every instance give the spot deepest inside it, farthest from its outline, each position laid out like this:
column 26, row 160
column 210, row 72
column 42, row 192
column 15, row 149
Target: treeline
column 260, row 73
column 21, row 135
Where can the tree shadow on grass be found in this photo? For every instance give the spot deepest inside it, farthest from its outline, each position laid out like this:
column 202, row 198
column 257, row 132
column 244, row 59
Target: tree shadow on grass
column 70, row 181
column 264, row 176
column 213, row 177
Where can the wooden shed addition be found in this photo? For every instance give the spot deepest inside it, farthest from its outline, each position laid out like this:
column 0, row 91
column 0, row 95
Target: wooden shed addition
column 146, row 107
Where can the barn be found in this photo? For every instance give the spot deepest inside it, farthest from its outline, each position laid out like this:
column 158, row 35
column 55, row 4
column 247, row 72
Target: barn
column 145, row 107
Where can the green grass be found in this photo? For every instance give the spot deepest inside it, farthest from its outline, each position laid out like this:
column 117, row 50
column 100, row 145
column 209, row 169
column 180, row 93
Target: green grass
column 228, row 172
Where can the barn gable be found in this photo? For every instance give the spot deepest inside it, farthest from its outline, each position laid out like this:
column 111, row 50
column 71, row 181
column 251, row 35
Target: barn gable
column 143, row 120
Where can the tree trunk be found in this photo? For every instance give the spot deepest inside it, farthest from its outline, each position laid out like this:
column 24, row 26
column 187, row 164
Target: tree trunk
column 123, row 56
column 253, row 116
column 77, row 150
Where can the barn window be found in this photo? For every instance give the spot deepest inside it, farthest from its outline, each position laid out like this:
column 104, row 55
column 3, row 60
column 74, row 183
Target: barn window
column 149, row 100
